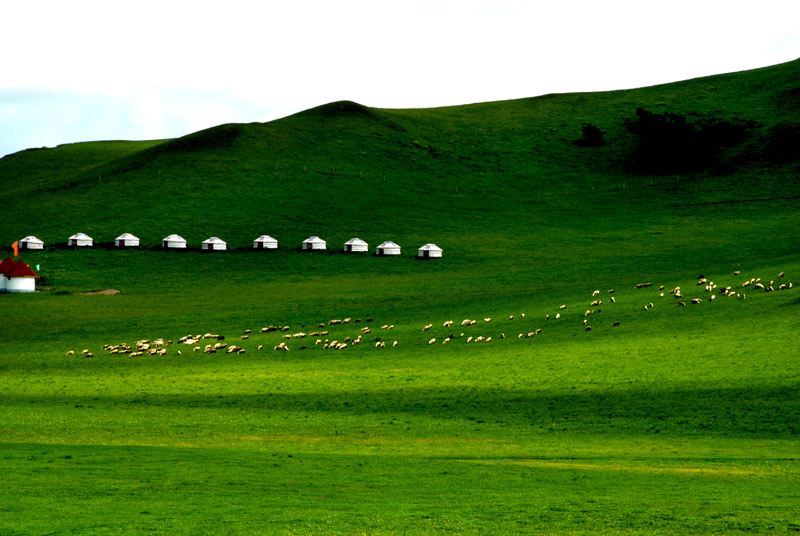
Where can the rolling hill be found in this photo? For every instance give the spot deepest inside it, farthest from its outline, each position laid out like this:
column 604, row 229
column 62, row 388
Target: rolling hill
column 596, row 401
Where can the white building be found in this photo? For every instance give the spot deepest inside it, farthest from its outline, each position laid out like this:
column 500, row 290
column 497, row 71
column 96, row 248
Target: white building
column 313, row 242
column 174, row 242
column 355, row 245
column 80, row 240
column 429, row 251
column 6, row 265
column 17, row 276
column 265, row 242
column 30, row 242
column 126, row 240
column 214, row 244
column 388, row 248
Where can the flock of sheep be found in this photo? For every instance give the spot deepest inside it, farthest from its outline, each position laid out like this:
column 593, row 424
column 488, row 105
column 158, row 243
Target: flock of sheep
column 339, row 334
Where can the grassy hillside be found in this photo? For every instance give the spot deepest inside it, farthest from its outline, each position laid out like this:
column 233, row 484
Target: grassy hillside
column 681, row 419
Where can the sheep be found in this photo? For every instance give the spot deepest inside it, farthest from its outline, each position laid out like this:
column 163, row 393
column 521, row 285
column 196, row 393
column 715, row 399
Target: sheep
column 426, row 327
column 446, row 340
column 595, row 303
column 595, row 293
column 538, row 331
column 781, row 274
column 616, row 324
column 613, row 300
column 70, row 353
column 432, row 341
column 682, row 304
column 661, row 287
column 611, row 291
column 696, row 300
column 247, row 332
column 394, row 344
column 558, row 315
column 588, row 328
column 487, row 319
column 563, row 307
column 447, row 324
column 488, row 339
column 245, row 337
column 480, row 338
column 260, row 347
column 469, row 339
column 736, row 272
column 643, row 285
column 547, row 317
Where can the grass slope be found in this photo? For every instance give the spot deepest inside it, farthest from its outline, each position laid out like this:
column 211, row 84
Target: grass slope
column 681, row 420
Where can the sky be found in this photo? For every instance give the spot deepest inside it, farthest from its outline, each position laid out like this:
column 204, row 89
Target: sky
column 86, row 70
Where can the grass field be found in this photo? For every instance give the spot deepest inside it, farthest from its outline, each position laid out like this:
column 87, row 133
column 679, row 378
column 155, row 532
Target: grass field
column 679, row 420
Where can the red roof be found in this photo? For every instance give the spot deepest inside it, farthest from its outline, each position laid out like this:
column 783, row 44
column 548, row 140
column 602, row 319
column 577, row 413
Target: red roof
column 16, row 269
column 7, row 265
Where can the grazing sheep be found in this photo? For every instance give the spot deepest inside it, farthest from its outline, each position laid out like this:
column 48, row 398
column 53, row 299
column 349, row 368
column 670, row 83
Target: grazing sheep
column 781, row 274
column 611, row 291
column 643, row 285
column 432, row 341
column 547, row 317
column 394, row 344
column 682, row 304
column 70, row 353
column 260, row 347
column 616, row 324
column 696, row 300
column 613, row 300
column 469, row 339
column 447, row 324
column 446, row 340
column 595, row 293
column 563, row 307
column 595, row 303
column 558, row 315
column 488, row 339
column 487, row 319
column 588, row 328
column 538, row 331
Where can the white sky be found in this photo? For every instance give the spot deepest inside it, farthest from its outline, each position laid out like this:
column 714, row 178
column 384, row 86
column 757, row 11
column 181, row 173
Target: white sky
column 86, row 70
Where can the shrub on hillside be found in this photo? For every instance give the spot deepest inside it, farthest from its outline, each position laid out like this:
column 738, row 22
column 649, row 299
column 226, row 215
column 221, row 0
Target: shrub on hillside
column 672, row 143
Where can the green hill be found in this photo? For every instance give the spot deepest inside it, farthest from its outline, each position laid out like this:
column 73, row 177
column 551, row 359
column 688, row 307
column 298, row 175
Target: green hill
column 676, row 413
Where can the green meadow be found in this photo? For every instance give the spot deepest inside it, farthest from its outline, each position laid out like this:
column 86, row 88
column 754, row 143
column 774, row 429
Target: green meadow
column 666, row 417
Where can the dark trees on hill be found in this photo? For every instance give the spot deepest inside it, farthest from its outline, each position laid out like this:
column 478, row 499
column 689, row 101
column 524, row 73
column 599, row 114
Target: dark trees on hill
column 592, row 136
column 672, row 143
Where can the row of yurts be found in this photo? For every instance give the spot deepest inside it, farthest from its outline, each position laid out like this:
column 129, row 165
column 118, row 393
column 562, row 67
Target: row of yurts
column 217, row 244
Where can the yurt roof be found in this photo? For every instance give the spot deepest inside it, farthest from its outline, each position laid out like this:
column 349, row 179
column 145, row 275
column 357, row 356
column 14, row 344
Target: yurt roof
column 265, row 238
column 31, row 239
column 356, row 241
column 388, row 244
column 311, row 239
column 431, row 247
column 80, row 236
column 127, row 236
column 21, row 269
column 214, row 240
column 7, row 265
column 175, row 238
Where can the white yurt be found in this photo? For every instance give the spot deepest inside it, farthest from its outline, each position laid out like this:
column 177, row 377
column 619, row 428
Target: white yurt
column 18, row 277
column 31, row 242
column 80, row 240
column 174, row 242
column 6, row 265
column 265, row 242
column 388, row 248
column 126, row 240
column 356, row 245
column 429, row 251
column 313, row 242
column 214, row 244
